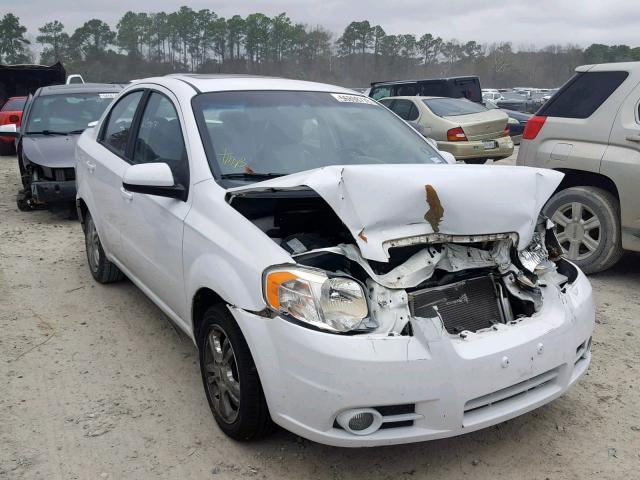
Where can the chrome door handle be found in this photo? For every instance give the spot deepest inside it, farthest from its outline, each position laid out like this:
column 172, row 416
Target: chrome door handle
column 634, row 138
column 91, row 166
column 128, row 196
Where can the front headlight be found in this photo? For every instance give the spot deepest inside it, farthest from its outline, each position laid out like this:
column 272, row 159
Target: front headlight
column 337, row 304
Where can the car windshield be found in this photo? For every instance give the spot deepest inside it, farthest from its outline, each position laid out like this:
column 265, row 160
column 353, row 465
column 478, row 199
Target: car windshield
column 249, row 134
column 66, row 113
column 451, row 107
column 490, row 105
column 14, row 104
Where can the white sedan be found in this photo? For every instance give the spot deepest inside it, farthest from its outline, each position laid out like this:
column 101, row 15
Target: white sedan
column 337, row 275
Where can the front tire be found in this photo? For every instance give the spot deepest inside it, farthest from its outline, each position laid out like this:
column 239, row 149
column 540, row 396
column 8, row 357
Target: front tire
column 230, row 378
column 588, row 226
column 101, row 268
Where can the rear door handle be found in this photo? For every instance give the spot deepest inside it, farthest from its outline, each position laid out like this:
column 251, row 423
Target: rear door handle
column 634, row 138
column 128, row 196
column 91, row 166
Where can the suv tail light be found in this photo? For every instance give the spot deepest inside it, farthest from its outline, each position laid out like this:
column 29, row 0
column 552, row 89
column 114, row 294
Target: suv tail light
column 14, row 118
column 456, row 135
column 534, row 125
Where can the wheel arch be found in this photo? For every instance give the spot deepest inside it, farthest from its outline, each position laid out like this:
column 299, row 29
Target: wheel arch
column 581, row 178
column 81, row 207
column 203, row 299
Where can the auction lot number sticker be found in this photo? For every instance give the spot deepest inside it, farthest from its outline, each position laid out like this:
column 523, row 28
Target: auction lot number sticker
column 344, row 98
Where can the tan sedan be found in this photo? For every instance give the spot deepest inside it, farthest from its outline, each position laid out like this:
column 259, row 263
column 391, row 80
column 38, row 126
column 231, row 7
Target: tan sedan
column 466, row 129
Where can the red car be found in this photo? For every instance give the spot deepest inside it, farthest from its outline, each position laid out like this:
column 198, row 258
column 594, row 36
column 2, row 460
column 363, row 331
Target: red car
column 11, row 112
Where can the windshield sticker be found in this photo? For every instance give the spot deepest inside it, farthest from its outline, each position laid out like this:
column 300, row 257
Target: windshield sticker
column 108, row 95
column 341, row 97
column 228, row 158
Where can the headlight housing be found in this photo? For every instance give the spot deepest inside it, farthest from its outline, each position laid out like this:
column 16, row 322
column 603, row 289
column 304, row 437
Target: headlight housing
column 333, row 303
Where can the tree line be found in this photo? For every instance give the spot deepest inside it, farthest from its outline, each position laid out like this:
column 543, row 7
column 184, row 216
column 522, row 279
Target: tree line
column 143, row 44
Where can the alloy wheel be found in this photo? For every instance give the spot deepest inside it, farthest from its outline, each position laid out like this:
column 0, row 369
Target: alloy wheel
column 221, row 373
column 93, row 246
column 578, row 230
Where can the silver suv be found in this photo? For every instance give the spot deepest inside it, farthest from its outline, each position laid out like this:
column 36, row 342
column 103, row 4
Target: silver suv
column 590, row 131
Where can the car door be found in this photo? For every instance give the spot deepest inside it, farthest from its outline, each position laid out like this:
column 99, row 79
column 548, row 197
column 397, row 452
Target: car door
column 153, row 229
column 621, row 163
column 409, row 112
column 104, row 167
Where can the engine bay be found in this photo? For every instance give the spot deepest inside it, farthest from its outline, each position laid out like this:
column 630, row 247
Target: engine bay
column 467, row 285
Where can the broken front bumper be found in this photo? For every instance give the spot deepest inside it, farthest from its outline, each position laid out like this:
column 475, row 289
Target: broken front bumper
column 54, row 192
column 454, row 385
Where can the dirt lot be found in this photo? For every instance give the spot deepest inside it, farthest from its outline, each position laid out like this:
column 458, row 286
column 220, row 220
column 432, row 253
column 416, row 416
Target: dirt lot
column 95, row 383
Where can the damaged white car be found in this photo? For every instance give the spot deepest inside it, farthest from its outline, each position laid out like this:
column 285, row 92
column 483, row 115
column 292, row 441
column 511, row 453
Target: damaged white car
column 338, row 276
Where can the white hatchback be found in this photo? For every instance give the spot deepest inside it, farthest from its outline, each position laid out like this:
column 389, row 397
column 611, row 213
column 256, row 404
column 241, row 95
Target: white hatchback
column 337, row 275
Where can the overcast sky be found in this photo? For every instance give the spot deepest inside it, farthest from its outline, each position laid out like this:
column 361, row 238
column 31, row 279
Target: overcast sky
column 523, row 22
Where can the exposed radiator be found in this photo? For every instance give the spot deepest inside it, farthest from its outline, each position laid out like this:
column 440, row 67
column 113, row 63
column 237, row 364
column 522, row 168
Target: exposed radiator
column 467, row 305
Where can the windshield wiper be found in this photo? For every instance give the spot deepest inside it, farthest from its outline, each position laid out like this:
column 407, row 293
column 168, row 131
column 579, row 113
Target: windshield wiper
column 251, row 176
column 47, row 132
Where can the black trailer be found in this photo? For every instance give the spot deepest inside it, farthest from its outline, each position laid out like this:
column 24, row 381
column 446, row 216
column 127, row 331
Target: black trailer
column 454, row 87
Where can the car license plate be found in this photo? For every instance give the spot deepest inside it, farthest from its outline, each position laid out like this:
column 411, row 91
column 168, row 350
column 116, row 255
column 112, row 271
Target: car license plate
column 488, row 145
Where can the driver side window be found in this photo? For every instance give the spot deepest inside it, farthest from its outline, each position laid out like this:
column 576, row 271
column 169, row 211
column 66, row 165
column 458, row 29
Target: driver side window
column 115, row 135
column 160, row 137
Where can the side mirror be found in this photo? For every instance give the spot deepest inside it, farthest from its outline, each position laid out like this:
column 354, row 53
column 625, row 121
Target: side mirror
column 10, row 130
column 153, row 179
column 448, row 156
column 92, row 124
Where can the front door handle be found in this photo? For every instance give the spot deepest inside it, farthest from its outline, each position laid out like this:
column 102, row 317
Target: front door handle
column 634, row 138
column 91, row 166
column 128, row 196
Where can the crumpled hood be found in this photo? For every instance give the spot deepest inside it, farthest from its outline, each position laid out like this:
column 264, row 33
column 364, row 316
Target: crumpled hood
column 380, row 203
column 54, row 151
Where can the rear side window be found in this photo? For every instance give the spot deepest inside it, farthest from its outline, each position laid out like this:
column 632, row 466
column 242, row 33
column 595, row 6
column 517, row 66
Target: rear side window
column 118, row 129
column 14, row 105
column 380, row 92
column 450, row 107
column 405, row 109
column 406, row 90
column 583, row 94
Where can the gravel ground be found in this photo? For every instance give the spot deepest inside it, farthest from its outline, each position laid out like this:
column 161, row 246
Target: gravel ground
column 96, row 383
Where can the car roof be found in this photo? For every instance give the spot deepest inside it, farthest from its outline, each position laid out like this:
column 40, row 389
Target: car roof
column 81, row 88
column 236, row 82
column 608, row 67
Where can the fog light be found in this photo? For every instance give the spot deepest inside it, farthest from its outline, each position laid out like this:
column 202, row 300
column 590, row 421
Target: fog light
column 360, row 421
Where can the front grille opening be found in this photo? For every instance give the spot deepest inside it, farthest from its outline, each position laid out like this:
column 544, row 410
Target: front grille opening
column 512, row 393
column 468, row 305
column 387, row 412
column 582, row 350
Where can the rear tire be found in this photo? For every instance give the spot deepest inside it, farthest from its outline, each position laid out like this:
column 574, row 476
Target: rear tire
column 588, row 226
column 230, row 378
column 101, row 268
column 475, row 161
